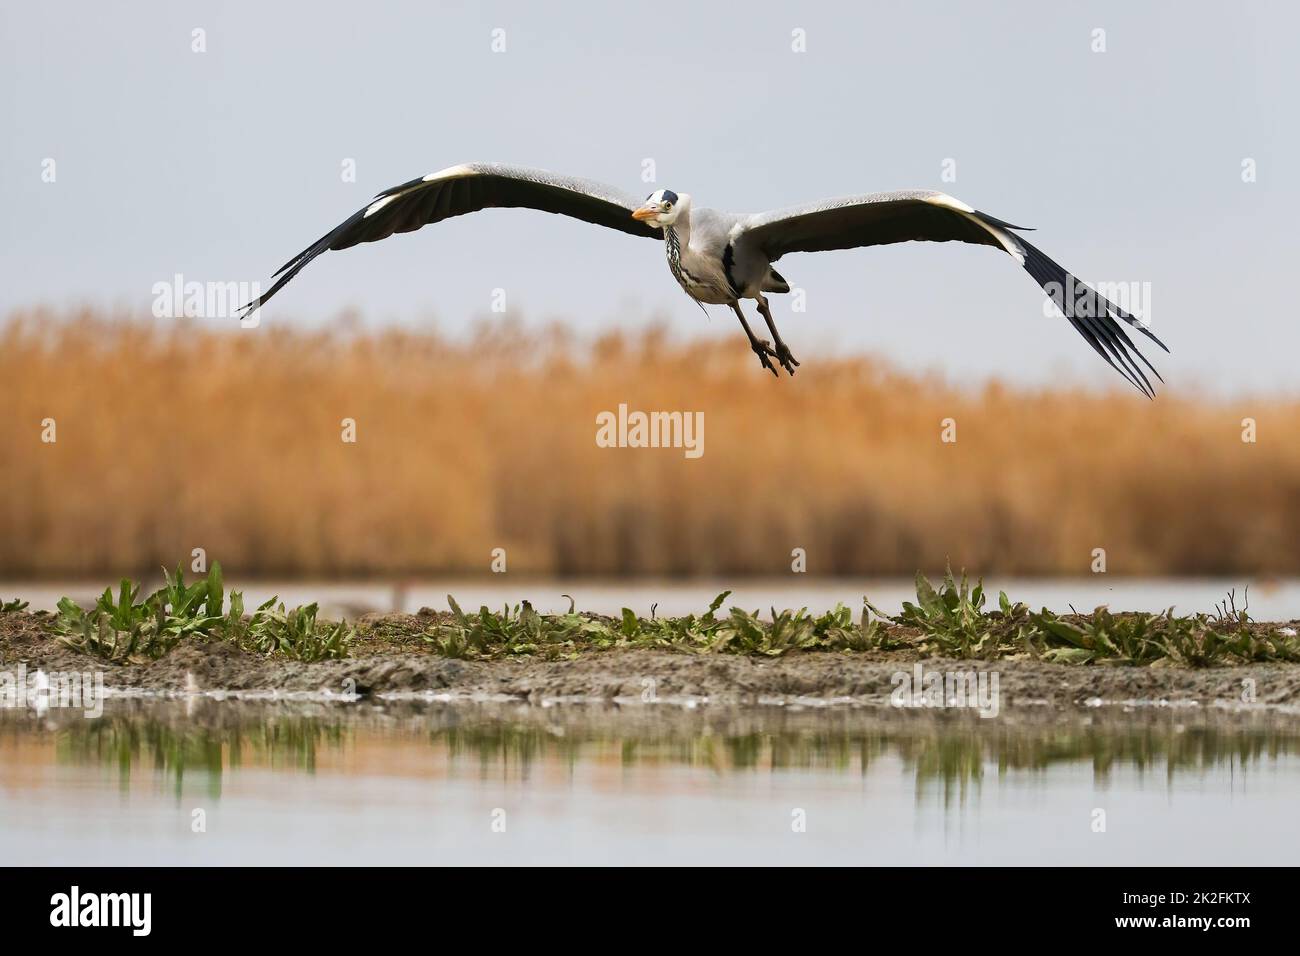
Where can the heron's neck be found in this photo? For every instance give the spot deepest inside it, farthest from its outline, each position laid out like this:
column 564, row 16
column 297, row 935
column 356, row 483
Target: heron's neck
column 681, row 229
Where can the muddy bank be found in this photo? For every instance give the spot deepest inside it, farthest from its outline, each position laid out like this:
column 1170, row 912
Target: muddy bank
column 397, row 666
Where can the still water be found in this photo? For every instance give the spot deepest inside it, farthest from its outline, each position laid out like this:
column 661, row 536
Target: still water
column 492, row 783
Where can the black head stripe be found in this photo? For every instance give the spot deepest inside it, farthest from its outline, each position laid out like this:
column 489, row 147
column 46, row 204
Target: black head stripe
column 670, row 196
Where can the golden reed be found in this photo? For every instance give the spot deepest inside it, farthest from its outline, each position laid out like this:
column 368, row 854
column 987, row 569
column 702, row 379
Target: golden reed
column 231, row 441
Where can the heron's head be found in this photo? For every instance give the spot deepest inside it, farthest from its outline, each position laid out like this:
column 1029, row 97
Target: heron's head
column 662, row 207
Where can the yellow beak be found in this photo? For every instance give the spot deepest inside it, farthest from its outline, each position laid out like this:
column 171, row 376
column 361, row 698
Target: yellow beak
column 645, row 213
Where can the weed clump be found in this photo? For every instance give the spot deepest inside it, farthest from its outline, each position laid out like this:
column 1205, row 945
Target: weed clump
column 949, row 619
column 522, row 630
column 954, row 623
column 123, row 627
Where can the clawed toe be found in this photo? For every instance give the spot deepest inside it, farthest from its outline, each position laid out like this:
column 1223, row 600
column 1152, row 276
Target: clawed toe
column 763, row 349
column 787, row 360
column 765, row 354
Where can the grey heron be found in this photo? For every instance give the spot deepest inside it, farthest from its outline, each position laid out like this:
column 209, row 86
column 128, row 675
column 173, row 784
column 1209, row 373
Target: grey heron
column 720, row 258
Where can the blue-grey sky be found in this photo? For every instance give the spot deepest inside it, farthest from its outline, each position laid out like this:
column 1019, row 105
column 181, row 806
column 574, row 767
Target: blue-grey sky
column 219, row 165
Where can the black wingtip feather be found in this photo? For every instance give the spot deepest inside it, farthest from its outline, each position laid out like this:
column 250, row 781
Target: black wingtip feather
column 1148, row 333
column 1098, row 321
column 1001, row 223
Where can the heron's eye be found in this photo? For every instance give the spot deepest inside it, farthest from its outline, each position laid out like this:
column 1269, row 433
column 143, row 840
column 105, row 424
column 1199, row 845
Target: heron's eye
column 667, row 206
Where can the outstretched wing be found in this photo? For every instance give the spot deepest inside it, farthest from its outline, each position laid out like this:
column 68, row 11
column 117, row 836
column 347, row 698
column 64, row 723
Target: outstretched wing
column 463, row 189
column 883, row 218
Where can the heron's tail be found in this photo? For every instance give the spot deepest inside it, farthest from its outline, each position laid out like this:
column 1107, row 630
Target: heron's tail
column 775, row 282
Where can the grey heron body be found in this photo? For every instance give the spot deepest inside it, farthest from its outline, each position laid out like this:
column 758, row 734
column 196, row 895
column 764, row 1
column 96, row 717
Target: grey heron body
column 715, row 269
column 721, row 258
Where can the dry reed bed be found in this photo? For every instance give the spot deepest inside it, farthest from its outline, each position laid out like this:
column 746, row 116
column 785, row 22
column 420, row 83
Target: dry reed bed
column 181, row 437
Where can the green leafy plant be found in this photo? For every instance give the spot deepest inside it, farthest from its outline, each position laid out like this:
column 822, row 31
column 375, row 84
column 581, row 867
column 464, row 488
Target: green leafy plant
column 954, row 623
column 1195, row 640
column 518, row 630
column 297, row 633
column 950, row 619
column 121, row 627
column 1127, row 639
column 522, row 630
column 117, row 628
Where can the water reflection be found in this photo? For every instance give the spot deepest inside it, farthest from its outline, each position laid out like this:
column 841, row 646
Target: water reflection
column 206, row 742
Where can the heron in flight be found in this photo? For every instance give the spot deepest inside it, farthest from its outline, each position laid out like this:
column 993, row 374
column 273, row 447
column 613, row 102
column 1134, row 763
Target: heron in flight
column 719, row 258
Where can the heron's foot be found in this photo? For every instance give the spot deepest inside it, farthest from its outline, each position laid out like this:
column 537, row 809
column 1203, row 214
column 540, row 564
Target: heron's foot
column 788, row 361
column 765, row 354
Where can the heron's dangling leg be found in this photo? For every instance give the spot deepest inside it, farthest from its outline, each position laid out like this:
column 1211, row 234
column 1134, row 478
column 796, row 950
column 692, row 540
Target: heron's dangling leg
column 788, row 361
column 760, row 346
